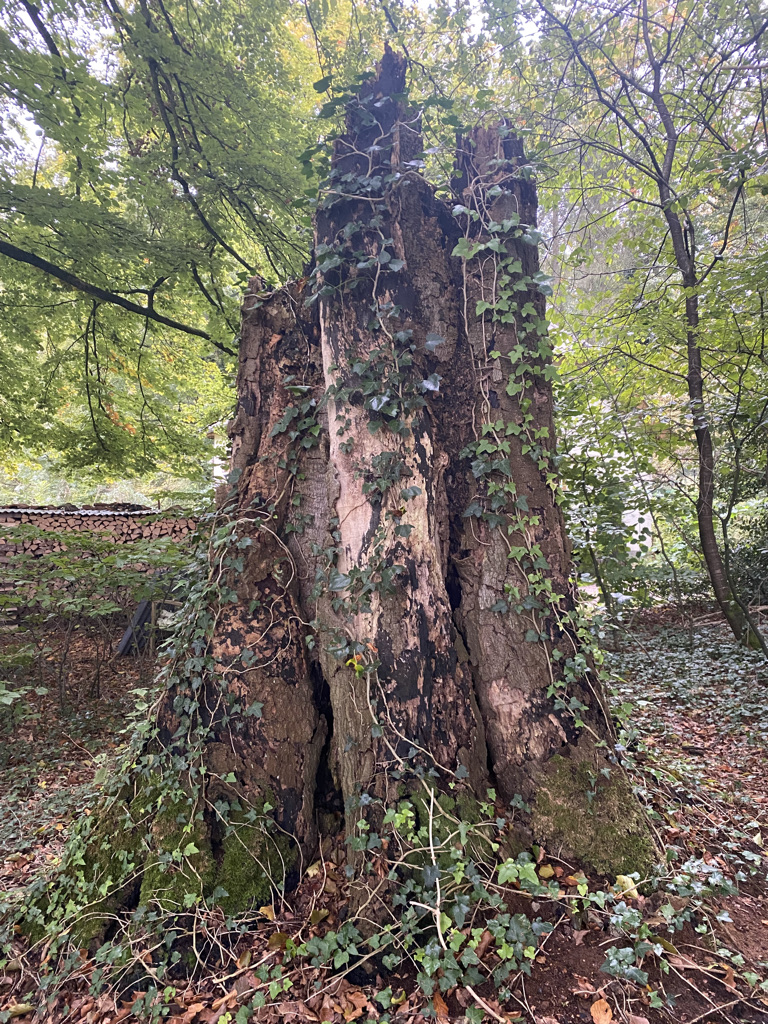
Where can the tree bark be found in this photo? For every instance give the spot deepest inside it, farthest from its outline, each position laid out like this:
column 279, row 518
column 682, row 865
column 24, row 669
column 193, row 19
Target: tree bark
column 402, row 605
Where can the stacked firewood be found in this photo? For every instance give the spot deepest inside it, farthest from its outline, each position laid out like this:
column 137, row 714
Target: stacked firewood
column 124, row 523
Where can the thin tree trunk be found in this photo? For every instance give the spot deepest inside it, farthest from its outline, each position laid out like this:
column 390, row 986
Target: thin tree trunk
column 724, row 595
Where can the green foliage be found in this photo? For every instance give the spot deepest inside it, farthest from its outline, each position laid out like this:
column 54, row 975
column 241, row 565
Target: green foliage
column 146, row 174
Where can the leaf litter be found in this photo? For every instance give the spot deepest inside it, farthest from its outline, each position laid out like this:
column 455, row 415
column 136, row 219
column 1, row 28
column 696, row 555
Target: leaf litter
column 695, row 748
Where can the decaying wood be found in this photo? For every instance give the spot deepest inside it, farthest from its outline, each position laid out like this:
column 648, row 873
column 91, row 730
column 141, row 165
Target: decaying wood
column 427, row 677
column 274, row 757
column 422, row 692
column 442, row 679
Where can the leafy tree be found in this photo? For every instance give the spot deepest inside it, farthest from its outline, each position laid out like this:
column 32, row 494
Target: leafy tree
column 147, row 171
column 661, row 105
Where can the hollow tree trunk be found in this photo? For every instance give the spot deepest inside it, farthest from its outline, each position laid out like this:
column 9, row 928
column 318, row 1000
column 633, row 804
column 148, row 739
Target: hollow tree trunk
column 402, row 581
column 447, row 629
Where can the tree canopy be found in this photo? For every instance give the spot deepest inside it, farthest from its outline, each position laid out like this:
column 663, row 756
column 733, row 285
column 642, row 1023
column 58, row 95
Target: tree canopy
column 149, row 167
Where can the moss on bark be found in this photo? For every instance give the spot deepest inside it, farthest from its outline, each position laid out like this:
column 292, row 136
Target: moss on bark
column 253, row 863
column 592, row 819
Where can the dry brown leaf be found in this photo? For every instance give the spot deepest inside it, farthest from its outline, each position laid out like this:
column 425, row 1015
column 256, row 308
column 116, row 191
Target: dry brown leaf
column 584, row 987
column 222, row 1000
column 292, row 1010
column 277, row 941
column 482, row 947
column 633, row 1018
column 463, row 998
column 601, row 1012
column 683, row 963
column 578, row 935
column 356, row 997
column 730, row 979
column 440, row 1006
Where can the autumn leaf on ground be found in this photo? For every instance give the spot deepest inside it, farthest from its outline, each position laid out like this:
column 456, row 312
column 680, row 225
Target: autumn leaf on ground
column 440, row 1006
column 601, row 1012
column 626, row 886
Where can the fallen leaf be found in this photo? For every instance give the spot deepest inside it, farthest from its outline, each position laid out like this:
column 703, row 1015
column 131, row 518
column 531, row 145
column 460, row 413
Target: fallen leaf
column 584, row 987
column 482, row 947
column 217, row 1004
column 268, row 912
column 463, row 998
column 277, row 941
column 546, row 871
column 730, row 979
column 666, row 944
column 440, row 1006
column 601, row 1012
column 317, row 916
column 578, row 936
column 19, row 1009
column 633, row 1018
column 627, row 886
column 684, row 963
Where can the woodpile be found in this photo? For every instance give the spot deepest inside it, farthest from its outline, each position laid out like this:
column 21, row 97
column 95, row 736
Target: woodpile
column 124, row 523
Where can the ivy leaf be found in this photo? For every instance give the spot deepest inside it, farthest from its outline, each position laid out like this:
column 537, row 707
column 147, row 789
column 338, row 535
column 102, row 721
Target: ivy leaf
column 433, row 340
column 338, row 581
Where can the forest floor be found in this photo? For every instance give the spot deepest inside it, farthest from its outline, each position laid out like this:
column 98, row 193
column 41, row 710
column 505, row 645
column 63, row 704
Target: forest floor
column 696, row 742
